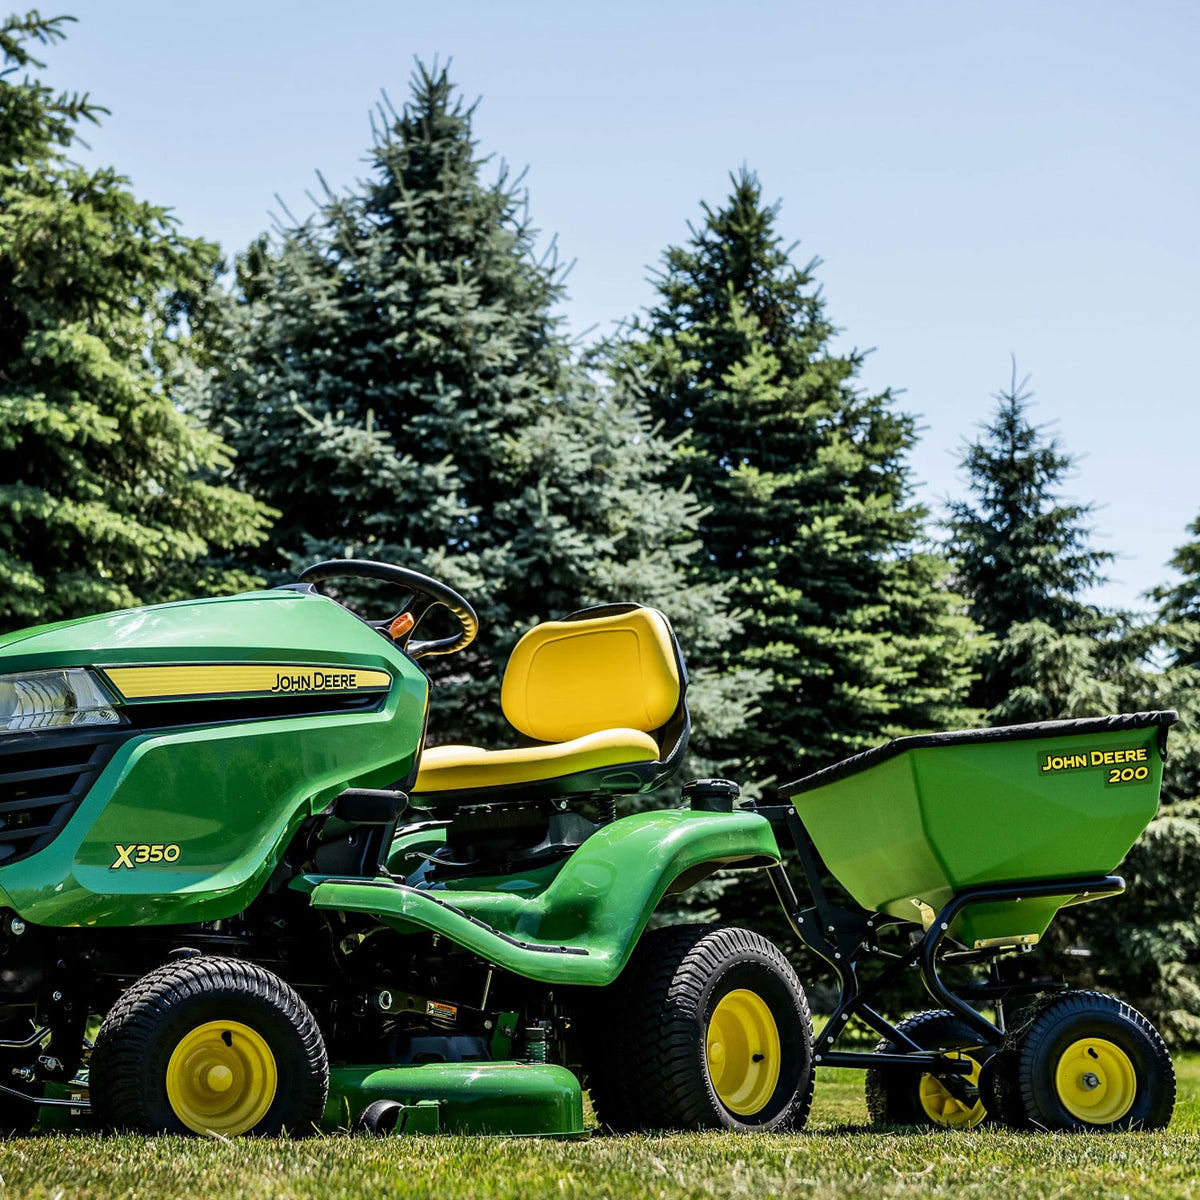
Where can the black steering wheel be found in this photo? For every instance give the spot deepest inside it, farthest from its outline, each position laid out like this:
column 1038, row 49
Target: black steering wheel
column 424, row 593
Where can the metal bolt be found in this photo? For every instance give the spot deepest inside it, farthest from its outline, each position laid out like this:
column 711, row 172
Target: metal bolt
column 384, row 1000
column 17, row 926
column 944, row 925
column 838, row 955
column 1090, row 1081
column 487, row 1024
column 23, row 1073
column 56, row 996
column 830, row 928
column 816, row 1058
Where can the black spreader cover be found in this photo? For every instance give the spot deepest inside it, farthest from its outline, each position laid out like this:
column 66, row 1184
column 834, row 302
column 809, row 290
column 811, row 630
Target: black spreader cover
column 960, row 737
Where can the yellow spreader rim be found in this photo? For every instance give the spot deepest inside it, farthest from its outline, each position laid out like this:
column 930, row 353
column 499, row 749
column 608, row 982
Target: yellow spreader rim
column 943, row 1108
column 743, row 1052
column 1096, row 1081
column 221, row 1078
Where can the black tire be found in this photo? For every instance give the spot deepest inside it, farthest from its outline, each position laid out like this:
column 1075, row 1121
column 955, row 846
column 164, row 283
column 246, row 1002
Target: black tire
column 379, row 1118
column 1085, row 1062
column 1002, row 1100
column 894, row 1095
column 129, row 1064
column 651, row 1067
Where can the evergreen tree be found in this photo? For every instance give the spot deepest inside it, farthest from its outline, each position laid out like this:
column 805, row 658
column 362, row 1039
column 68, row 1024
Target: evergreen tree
column 1177, row 628
column 396, row 384
column 107, row 493
column 809, row 517
column 1179, row 603
column 1024, row 559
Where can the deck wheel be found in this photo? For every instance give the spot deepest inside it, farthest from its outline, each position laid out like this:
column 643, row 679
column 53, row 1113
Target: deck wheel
column 212, row 1046
column 1086, row 1062
column 896, row 1096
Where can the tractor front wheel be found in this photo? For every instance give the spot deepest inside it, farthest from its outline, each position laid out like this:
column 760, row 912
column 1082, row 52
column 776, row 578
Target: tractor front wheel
column 211, row 1046
column 708, row 1029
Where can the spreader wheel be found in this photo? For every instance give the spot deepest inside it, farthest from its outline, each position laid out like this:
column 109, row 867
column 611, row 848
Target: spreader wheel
column 212, row 1046
column 1086, row 1062
column 709, row 1029
column 896, row 1096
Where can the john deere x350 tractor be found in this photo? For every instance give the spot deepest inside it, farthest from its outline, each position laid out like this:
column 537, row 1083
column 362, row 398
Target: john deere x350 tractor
column 221, row 838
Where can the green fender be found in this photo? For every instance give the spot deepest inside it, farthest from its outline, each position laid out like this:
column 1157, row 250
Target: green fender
column 582, row 926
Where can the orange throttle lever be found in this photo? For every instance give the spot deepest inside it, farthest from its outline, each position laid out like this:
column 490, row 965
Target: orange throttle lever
column 401, row 626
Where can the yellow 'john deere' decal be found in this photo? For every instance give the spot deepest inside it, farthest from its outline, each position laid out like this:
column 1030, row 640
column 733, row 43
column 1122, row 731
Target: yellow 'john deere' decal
column 1124, row 764
column 241, row 679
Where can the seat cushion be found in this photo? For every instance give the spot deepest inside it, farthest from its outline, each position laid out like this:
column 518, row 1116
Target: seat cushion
column 566, row 679
column 452, row 768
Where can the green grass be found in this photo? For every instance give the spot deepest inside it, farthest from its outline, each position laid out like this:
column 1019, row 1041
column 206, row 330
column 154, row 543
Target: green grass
column 838, row 1156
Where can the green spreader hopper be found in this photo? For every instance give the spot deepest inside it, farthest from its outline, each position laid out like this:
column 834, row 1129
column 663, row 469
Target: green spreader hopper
column 907, row 826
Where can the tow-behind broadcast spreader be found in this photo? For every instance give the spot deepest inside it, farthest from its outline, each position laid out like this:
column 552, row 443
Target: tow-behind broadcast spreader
column 222, row 838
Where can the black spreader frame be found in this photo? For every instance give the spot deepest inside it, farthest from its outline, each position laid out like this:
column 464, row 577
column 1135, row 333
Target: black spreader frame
column 844, row 936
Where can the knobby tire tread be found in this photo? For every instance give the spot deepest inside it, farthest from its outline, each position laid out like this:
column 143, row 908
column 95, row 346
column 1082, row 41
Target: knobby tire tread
column 123, row 1043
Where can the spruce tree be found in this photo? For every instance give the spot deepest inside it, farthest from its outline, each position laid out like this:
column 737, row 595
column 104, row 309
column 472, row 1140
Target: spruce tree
column 108, row 495
column 1024, row 559
column 810, row 521
column 1179, row 603
column 396, row 384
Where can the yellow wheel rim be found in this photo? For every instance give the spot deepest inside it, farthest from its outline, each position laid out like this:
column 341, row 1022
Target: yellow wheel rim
column 1095, row 1081
column 221, row 1078
column 943, row 1108
column 743, row 1052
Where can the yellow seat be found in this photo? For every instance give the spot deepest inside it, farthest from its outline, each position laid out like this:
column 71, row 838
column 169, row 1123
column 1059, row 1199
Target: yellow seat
column 601, row 697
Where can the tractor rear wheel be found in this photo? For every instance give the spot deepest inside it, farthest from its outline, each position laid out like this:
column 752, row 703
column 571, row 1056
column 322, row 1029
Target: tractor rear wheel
column 708, row 1028
column 211, row 1046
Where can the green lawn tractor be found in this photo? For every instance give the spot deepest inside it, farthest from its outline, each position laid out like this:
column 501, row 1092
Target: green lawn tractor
column 223, row 840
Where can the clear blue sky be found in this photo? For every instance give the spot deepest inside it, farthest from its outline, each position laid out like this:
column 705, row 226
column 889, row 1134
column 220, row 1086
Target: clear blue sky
column 980, row 177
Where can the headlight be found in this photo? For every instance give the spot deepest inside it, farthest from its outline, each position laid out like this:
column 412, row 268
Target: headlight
column 54, row 699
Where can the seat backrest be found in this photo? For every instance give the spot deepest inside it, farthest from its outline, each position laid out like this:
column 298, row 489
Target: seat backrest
column 616, row 670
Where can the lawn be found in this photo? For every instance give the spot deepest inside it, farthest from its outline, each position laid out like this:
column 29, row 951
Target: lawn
column 838, row 1156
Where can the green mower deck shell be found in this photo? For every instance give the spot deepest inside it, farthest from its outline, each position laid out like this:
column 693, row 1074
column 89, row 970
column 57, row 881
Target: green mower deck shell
column 531, row 1099
column 926, row 823
column 229, row 793
column 581, row 925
